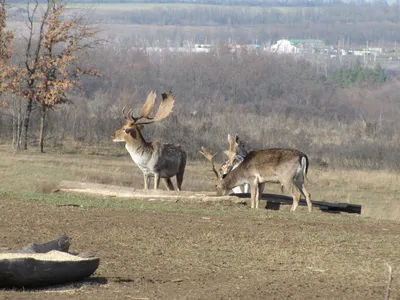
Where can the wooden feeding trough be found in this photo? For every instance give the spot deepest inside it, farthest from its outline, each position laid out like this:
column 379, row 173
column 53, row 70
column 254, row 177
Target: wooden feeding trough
column 40, row 269
column 45, row 264
column 273, row 201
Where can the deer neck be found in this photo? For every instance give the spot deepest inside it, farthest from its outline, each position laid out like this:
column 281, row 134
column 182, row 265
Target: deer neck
column 139, row 149
column 237, row 176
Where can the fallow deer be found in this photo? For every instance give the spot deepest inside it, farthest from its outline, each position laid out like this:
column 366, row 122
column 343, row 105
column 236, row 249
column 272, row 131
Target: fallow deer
column 286, row 166
column 153, row 158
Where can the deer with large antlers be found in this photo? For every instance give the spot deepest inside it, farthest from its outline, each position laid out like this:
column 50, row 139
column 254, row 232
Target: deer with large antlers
column 153, row 158
column 285, row 166
column 236, row 153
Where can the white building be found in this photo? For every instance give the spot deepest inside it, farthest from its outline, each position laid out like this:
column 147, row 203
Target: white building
column 283, row 46
column 203, row 48
column 298, row 46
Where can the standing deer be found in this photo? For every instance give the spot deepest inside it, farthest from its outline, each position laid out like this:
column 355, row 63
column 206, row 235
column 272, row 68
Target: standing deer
column 153, row 158
column 286, row 166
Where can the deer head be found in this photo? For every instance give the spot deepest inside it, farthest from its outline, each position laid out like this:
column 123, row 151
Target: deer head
column 132, row 126
column 220, row 187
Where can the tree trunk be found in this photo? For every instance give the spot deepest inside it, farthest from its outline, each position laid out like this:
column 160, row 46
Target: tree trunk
column 14, row 134
column 26, row 123
column 16, row 124
column 41, row 135
column 19, row 127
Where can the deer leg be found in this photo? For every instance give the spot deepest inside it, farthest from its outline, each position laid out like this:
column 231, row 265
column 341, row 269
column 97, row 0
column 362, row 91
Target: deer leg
column 253, row 192
column 302, row 188
column 296, row 198
column 168, row 184
column 179, row 176
column 262, row 185
column 308, row 198
column 260, row 190
column 156, row 180
column 289, row 185
column 257, row 197
column 179, row 179
column 146, row 181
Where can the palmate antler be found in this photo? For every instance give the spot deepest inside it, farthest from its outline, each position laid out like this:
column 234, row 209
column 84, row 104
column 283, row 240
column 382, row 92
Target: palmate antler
column 233, row 148
column 210, row 157
column 164, row 110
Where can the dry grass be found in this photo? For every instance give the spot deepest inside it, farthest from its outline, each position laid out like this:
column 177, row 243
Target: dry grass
column 41, row 173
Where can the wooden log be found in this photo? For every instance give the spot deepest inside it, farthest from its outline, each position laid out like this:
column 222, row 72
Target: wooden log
column 62, row 243
column 118, row 191
column 126, row 192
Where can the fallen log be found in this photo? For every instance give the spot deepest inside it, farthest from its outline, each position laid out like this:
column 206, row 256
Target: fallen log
column 273, row 201
column 61, row 243
column 127, row 192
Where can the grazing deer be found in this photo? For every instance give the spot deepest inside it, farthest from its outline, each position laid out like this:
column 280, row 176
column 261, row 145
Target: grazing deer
column 236, row 153
column 286, row 166
column 153, row 158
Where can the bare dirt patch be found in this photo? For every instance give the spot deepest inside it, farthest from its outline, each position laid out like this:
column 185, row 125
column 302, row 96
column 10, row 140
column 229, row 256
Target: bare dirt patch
column 199, row 250
column 210, row 251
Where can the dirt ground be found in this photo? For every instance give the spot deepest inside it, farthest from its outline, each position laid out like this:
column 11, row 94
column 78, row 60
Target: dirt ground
column 234, row 254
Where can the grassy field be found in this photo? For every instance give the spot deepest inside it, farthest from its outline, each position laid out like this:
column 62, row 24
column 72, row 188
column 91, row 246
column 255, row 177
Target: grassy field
column 206, row 250
column 376, row 191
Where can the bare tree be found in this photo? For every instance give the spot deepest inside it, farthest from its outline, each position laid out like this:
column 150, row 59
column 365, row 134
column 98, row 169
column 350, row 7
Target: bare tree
column 8, row 74
column 51, row 62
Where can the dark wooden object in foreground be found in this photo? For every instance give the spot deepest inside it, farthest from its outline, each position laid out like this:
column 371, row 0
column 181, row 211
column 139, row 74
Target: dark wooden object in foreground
column 18, row 270
column 31, row 272
column 274, row 202
column 60, row 244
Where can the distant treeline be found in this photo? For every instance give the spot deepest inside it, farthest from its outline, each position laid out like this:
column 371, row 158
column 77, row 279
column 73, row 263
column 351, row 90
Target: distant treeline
column 285, row 3
column 355, row 23
column 347, row 22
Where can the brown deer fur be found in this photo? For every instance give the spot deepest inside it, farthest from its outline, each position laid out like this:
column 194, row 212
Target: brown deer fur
column 287, row 166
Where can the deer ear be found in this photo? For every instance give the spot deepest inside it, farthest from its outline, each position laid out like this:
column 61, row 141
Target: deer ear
column 132, row 132
column 237, row 138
